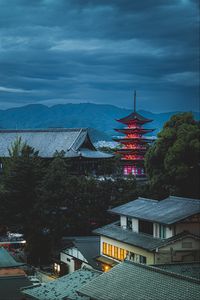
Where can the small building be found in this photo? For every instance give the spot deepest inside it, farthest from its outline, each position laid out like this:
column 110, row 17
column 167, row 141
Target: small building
column 152, row 232
column 74, row 143
column 12, row 277
column 132, row 281
column 62, row 288
column 80, row 252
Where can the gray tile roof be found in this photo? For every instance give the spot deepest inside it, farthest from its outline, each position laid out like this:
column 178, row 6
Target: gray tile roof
column 48, row 141
column 131, row 281
column 187, row 269
column 167, row 211
column 7, row 261
column 140, row 240
column 115, row 232
column 62, row 288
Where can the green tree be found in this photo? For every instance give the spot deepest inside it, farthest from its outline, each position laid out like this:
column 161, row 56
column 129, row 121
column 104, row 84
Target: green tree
column 22, row 173
column 173, row 162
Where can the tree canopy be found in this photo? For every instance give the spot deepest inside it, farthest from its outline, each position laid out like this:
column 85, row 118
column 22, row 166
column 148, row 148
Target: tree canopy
column 173, row 162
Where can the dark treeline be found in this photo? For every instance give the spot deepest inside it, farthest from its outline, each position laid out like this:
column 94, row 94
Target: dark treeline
column 44, row 201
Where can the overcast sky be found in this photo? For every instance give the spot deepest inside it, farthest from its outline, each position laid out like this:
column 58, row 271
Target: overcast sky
column 61, row 51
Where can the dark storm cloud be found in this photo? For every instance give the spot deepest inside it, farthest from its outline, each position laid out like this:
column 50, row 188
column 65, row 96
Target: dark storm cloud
column 99, row 51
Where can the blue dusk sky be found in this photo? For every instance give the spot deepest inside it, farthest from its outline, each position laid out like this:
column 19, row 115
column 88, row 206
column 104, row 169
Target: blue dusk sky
column 99, row 51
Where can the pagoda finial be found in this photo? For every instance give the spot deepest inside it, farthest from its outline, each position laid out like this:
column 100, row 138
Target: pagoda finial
column 135, row 101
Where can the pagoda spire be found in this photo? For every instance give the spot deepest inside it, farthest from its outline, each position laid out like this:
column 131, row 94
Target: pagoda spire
column 134, row 101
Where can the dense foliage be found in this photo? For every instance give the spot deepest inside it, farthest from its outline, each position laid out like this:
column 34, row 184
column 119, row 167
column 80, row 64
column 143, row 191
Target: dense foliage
column 173, row 162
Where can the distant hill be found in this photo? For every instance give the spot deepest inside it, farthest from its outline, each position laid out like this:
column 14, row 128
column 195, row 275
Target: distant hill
column 101, row 119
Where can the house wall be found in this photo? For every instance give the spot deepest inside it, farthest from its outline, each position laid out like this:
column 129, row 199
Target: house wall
column 123, row 221
column 193, row 228
column 184, row 250
column 70, row 257
column 135, row 225
column 136, row 250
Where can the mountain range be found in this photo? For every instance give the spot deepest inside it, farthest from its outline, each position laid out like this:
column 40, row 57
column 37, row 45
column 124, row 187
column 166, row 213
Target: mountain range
column 100, row 119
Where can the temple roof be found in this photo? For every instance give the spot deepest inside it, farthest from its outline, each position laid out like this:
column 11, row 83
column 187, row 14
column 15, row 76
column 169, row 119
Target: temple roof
column 75, row 142
column 133, row 140
column 134, row 130
column 134, row 116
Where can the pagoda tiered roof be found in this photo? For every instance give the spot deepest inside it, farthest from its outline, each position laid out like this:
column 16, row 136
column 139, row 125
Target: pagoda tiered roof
column 134, row 130
column 134, row 117
column 138, row 140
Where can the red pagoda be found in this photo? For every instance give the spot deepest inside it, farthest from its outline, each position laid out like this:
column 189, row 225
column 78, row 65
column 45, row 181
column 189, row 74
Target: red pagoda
column 134, row 145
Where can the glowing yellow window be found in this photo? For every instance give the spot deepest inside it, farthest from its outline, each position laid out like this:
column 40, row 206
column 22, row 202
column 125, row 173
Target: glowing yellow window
column 104, row 248
column 110, row 250
column 122, row 254
column 116, row 252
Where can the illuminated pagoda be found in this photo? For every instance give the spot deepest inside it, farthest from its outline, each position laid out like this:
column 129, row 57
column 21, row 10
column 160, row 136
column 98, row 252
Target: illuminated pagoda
column 134, row 144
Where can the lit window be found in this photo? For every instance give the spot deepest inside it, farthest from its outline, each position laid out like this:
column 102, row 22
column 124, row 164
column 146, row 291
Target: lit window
column 122, row 254
column 104, row 248
column 115, row 252
column 110, row 249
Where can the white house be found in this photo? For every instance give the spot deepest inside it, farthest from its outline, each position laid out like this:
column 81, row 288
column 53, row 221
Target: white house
column 151, row 231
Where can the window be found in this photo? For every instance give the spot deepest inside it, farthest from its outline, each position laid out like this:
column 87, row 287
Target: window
column 116, row 252
column 104, row 248
column 110, row 249
column 143, row 259
column 146, row 227
column 162, row 232
column 129, row 223
column 123, row 254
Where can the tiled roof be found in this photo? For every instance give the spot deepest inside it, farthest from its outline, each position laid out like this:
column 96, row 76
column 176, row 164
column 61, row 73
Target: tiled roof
column 131, row 281
column 48, row 141
column 167, row 211
column 191, row 269
column 6, row 259
column 134, row 116
column 127, row 236
column 140, row 240
column 62, row 288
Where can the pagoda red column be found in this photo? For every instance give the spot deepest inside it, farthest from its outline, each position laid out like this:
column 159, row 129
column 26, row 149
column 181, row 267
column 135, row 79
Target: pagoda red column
column 134, row 144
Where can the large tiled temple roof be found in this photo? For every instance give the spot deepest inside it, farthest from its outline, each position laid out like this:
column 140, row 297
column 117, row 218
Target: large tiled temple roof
column 75, row 142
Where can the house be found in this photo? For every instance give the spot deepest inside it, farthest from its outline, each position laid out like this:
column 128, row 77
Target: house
column 12, row 277
column 152, row 232
column 79, row 251
column 62, row 288
column 74, row 143
column 133, row 281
